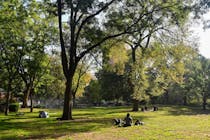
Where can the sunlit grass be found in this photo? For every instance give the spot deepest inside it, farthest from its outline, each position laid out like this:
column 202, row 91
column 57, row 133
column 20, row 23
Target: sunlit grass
column 174, row 122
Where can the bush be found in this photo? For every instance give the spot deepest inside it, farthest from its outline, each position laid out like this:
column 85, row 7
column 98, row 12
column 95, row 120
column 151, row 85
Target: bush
column 14, row 107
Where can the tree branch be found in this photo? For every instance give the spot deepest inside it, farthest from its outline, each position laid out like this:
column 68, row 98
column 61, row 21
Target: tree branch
column 82, row 54
column 90, row 17
column 63, row 50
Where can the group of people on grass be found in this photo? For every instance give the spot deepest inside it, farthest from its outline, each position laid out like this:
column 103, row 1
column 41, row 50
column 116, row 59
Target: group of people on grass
column 128, row 121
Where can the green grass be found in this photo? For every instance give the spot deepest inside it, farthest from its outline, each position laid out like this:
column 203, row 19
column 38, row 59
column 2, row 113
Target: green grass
column 174, row 122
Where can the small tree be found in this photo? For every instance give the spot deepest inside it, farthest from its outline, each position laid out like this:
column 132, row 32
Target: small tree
column 200, row 79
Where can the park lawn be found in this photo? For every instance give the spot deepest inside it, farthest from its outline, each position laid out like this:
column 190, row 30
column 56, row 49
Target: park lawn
column 170, row 122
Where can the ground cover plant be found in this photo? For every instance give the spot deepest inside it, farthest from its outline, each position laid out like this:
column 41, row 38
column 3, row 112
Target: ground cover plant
column 174, row 122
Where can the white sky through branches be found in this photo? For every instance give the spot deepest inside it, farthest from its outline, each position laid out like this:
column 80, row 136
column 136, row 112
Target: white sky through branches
column 204, row 37
column 204, row 43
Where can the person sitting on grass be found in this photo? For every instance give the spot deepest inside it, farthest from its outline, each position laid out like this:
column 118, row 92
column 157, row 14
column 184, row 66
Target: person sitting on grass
column 128, row 120
column 43, row 114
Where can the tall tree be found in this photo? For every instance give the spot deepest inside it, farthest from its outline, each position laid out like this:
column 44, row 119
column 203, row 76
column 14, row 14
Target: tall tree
column 157, row 19
column 86, row 32
column 200, row 78
column 167, row 67
column 12, row 13
column 39, row 30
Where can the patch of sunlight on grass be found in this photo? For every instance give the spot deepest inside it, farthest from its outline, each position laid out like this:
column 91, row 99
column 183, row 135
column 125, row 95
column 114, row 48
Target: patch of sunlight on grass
column 13, row 133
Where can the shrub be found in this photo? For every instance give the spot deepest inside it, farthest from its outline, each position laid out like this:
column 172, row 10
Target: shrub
column 14, row 107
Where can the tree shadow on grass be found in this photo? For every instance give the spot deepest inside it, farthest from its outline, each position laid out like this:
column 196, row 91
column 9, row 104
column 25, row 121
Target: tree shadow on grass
column 43, row 128
column 101, row 111
column 186, row 110
column 30, row 126
column 52, row 128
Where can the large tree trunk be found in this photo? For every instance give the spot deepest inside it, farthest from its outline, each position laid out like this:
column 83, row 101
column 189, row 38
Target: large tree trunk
column 204, row 102
column 26, row 95
column 68, row 67
column 166, row 96
column 185, row 100
column 31, row 97
column 8, row 97
column 67, row 108
column 135, row 102
column 135, row 105
column 7, row 104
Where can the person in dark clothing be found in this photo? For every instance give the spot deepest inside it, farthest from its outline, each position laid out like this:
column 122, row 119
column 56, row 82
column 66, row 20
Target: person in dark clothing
column 128, row 120
column 155, row 108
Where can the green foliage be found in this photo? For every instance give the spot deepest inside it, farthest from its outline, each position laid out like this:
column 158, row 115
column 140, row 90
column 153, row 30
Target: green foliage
column 191, row 85
column 14, row 107
column 26, row 29
column 112, row 79
column 81, row 79
column 197, row 78
column 139, row 80
column 52, row 84
column 148, row 17
column 92, row 92
column 115, row 56
column 151, row 20
column 157, row 69
column 113, row 86
column 87, row 32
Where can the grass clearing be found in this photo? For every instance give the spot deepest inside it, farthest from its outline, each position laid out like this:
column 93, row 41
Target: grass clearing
column 174, row 122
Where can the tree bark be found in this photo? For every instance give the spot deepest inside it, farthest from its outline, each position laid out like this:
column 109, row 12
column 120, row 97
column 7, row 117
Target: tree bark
column 7, row 104
column 185, row 100
column 31, row 97
column 166, row 95
column 26, row 95
column 135, row 105
column 67, row 109
column 8, row 97
column 133, row 54
column 135, row 102
column 204, row 102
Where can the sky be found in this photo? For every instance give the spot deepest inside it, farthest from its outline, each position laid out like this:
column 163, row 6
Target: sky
column 204, row 37
column 204, row 46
